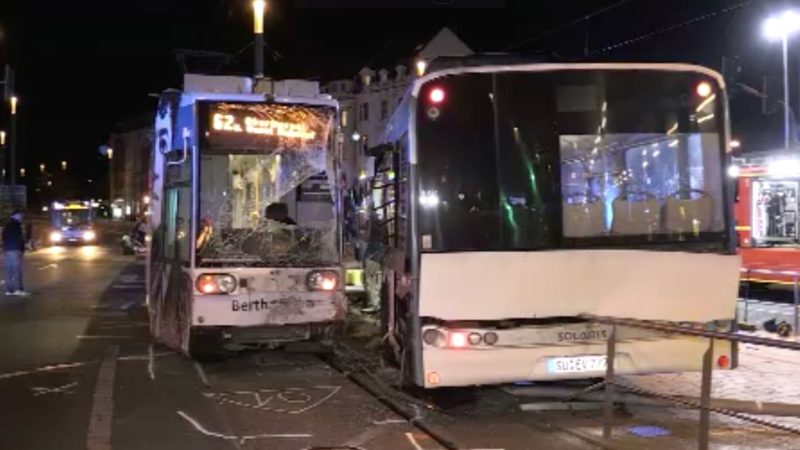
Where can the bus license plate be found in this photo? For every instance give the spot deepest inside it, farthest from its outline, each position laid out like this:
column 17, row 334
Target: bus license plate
column 576, row 364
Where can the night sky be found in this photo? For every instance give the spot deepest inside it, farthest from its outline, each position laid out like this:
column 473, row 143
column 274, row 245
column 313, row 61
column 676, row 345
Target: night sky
column 83, row 66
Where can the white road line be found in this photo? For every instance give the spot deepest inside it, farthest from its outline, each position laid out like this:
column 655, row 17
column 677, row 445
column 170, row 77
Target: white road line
column 151, row 363
column 65, row 389
column 240, row 439
column 101, row 419
column 144, row 357
column 48, row 266
column 201, row 373
column 410, row 437
column 87, row 337
column 4, row 376
column 388, row 421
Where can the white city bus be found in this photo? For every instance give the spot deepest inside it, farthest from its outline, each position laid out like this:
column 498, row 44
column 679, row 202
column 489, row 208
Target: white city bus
column 511, row 199
column 245, row 233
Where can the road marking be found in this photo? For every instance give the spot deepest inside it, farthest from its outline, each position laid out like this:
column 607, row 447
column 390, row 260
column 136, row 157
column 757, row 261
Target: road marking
column 388, row 421
column 102, row 415
column 151, row 363
column 65, row 389
column 48, row 266
column 240, row 439
column 4, row 376
column 289, row 400
column 413, row 441
column 144, row 357
column 200, row 373
column 87, row 337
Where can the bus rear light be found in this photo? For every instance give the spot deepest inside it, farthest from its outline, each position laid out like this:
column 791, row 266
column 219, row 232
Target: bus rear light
column 704, row 89
column 435, row 337
column 475, row 338
column 215, row 283
column 322, row 280
column 723, row 362
column 457, row 339
column 490, row 338
column 436, row 95
column 434, row 379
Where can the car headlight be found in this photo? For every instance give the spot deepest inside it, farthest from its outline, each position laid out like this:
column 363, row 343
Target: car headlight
column 322, row 280
column 215, row 283
column 55, row 236
column 89, row 235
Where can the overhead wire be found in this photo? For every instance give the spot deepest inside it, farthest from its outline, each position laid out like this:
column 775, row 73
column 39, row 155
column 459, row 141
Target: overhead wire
column 582, row 18
column 671, row 28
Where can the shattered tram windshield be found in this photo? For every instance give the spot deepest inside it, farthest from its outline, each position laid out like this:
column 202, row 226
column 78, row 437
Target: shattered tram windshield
column 265, row 189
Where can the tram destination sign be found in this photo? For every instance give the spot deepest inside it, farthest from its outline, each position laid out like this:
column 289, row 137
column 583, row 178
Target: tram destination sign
column 267, row 126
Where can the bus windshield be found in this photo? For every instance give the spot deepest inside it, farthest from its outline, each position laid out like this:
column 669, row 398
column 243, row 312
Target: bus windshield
column 566, row 159
column 265, row 197
column 71, row 218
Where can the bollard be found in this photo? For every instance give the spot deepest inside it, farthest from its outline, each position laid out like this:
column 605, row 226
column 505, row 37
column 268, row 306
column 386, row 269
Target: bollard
column 746, row 296
column 608, row 401
column 796, row 304
column 705, row 397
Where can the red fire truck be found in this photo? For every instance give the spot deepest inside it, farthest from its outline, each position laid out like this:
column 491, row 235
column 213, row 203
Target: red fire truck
column 767, row 214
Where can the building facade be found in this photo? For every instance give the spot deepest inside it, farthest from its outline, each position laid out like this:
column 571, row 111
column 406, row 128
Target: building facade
column 368, row 100
column 131, row 145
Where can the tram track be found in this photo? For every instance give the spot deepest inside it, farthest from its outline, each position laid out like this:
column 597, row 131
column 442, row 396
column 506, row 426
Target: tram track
column 409, row 408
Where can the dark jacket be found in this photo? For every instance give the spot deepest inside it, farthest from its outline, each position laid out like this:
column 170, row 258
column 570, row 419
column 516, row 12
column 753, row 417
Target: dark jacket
column 13, row 238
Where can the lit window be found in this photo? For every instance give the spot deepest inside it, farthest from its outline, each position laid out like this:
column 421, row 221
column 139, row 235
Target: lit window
column 344, row 118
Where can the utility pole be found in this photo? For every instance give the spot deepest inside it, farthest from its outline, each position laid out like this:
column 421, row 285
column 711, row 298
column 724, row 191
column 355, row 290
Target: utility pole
column 8, row 95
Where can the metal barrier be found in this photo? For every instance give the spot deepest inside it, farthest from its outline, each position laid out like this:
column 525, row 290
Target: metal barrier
column 705, row 404
column 795, row 276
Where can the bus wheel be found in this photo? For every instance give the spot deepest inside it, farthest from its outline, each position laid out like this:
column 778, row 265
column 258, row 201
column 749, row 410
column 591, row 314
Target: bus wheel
column 206, row 345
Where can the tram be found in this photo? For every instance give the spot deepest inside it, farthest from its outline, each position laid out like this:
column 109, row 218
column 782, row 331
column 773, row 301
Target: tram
column 245, row 238
column 513, row 199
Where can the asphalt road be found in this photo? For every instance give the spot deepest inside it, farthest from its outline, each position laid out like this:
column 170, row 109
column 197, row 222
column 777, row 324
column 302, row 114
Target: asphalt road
column 78, row 371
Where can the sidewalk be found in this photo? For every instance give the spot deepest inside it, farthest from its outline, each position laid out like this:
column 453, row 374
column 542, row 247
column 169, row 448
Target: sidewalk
column 765, row 374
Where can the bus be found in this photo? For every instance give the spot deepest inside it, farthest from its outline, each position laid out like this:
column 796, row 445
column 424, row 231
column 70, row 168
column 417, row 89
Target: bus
column 767, row 212
column 244, row 231
column 71, row 222
column 511, row 200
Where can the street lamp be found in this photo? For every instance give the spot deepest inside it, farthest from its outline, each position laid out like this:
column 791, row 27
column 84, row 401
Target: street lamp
column 2, row 138
column 63, row 165
column 780, row 28
column 41, row 167
column 421, row 66
column 22, row 172
column 259, row 6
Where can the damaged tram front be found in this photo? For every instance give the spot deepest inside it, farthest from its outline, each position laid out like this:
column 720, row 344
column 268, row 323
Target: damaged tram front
column 245, row 246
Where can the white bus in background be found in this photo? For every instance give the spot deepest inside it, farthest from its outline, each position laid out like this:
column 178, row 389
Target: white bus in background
column 245, row 234
column 510, row 199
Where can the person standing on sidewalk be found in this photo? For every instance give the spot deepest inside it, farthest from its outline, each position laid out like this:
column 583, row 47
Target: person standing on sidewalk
column 13, row 249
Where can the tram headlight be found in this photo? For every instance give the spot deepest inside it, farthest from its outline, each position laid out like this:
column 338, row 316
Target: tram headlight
column 56, row 236
column 322, row 280
column 215, row 283
column 89, row 235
